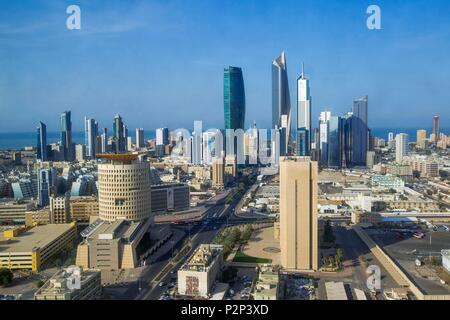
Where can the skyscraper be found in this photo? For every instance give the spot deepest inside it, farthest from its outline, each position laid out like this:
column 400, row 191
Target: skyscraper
column 299, row 242
column 104, row 141
column 281, row 102
column 334, row 142
column 162, row 139
column 46, row 181
column 197, row 144
column 66, row 136
column 91, row 133
column 140, row 138
column 390, row 136
column 41, row 146
column 303, row 115
column 324, row 119
column 436, row 128
column 401, row 146
column 118, row 134
column 360, row 131
column 233, row 98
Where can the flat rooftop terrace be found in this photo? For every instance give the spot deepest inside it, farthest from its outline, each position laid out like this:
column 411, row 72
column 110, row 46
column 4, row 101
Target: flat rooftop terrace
column 37, row 237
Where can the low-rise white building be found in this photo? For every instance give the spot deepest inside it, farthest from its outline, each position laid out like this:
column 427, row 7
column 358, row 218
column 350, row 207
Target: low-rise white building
column 197, row 276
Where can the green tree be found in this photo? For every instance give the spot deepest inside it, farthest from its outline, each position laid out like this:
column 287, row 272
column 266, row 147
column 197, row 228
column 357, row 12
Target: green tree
column 6, row 277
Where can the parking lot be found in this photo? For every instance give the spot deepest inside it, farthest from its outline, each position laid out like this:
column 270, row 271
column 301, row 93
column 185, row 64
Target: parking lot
column 405, row 249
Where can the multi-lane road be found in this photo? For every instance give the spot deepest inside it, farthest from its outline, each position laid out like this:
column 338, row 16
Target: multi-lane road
column 218, row 216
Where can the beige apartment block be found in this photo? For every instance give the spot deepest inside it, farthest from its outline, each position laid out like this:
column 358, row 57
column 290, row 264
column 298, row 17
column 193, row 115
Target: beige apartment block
column 298, row 213
column 82, row 208
column 60, row 209
column 218, row 172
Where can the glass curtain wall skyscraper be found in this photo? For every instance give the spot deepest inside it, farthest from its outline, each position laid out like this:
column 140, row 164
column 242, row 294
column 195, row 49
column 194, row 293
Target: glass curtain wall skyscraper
column 234, row 109
column 334, row 142
column 66, row 135
column 360, row 132
column 436, row 129
column 118, row 134
column 281, row 102
column 303, row 115
column 41, row 147
column 91, row 133
column 233, row 98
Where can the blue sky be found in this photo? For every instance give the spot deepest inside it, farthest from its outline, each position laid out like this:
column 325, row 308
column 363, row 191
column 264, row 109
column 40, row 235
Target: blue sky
column 160, row 63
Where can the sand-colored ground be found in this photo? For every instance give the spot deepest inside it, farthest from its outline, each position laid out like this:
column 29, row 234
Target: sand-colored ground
column 260, row 240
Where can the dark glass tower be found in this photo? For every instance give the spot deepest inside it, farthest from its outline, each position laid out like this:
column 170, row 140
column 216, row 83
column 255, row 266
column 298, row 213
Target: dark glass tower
column 436, row 129
column 360, row 132
column 41, row 147
column 335, row 126
column 119, row 135
column 233, row 98
column 281, row 102
column 66, row 135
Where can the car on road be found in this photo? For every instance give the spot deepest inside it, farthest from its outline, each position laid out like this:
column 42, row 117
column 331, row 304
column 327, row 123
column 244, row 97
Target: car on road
column 162, row 284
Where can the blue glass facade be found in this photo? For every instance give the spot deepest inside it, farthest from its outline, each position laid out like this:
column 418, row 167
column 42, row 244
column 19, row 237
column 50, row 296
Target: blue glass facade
column 334, row 142
column 303, row 137
column 66, row 135
column 118, row 132
column 41, row 147
column 360, row 132
column 233, row 98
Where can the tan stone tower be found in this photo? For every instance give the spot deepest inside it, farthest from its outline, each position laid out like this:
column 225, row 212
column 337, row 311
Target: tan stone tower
column 298, row 213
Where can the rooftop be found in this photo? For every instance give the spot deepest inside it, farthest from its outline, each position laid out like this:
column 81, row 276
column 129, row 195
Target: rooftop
column 57, row 284
column 112, row 230
column 37, row 237
column 203, row 257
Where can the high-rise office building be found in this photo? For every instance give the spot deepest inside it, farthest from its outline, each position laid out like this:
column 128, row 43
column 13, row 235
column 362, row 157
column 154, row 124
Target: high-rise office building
column 90, row 133
column 421, row 136
column 218, row 172
column 334, row 143
column 281, row 102
column 197, row 144
column 140, row 138
column 162, row 139
column 436, row 128
column 118, row 134
column 233, row 98
column 124, row 188
column 299, row 242
column 104, row 141
column 390, row 136
column 401, row 146
column 41, row 147
column 46, row 182
column 212, row 145
column 324, row 119
column 253, row 145
column 303, row 115
column 360, row 131
column 66, row 136
column 80, row 152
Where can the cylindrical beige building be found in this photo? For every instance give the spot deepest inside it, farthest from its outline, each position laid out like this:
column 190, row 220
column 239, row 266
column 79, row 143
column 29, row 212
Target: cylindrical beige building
column 124, row 188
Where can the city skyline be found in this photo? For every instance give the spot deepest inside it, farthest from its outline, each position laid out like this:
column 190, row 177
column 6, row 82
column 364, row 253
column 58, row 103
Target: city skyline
column 144, row 87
